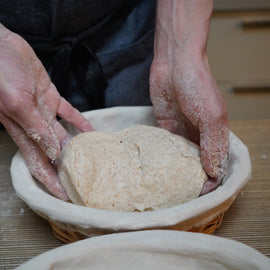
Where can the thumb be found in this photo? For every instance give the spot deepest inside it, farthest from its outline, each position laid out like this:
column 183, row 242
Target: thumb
column 214, row 138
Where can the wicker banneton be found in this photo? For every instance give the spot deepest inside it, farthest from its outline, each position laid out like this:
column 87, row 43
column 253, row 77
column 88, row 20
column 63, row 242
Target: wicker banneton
column 71, row 236
column 72, row 222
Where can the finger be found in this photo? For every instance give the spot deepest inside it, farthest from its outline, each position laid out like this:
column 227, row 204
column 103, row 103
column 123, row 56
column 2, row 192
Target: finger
column 161, row 92
column 47, row 97
column 175, row 126
column 37, row 129
column 48, row 103
column 166, row 105
column 214, row 147
column 35, row 159
column 163, row 99
column 62, row 134
column 210, row 185
column 73, row 116
column 180, row 126
column 169, row 124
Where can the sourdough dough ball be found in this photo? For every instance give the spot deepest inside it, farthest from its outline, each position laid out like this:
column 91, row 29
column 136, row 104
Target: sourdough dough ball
column 137, row 169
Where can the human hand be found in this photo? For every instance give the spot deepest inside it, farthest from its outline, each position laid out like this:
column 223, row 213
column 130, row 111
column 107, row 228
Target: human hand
column 187, row 102
column 184, row 94
column 29, row 104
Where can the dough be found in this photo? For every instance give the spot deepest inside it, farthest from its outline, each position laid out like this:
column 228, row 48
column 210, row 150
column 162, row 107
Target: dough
column 137, row 169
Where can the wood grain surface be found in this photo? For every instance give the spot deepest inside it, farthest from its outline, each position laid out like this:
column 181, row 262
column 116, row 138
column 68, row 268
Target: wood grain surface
column 24, row 235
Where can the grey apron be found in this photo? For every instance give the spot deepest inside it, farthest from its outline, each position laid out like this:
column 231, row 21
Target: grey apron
column 97, row 53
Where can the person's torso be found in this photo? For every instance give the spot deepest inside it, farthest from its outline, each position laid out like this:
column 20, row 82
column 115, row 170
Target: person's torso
column 54, row 18
column 66, row 36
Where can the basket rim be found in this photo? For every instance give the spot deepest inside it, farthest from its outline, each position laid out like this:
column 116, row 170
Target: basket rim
column 199, row 246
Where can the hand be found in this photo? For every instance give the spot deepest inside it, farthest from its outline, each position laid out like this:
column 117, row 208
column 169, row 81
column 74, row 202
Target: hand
column 29, row 104
column 187, row 102
column 184, row 94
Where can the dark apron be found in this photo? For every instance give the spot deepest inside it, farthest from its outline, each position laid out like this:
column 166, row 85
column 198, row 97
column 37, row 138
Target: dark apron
column 105, row 62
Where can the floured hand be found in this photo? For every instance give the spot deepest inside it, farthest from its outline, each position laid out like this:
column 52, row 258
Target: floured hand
column 183, row 91
column 28, row 107
column 188, row 103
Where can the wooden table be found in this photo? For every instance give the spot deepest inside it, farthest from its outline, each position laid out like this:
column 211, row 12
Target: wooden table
column 24, row 235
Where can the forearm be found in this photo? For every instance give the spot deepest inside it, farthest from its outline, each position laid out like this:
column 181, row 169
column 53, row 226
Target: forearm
column 182, row 28
column 184, row 94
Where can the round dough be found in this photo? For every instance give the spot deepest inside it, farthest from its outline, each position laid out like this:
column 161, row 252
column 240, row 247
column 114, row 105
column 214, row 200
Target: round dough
column 137, row 169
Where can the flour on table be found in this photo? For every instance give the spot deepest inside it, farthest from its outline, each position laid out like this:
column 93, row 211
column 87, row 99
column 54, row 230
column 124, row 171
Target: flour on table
column 137, row 169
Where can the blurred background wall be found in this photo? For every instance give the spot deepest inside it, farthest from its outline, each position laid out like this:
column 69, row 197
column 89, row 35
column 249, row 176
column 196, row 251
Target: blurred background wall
column 239, row 56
